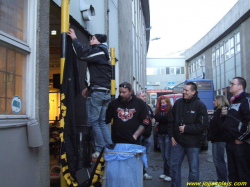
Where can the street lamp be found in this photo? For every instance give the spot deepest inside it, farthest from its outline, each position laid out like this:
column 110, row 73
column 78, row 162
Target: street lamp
column 156, row 38
column 149, row 28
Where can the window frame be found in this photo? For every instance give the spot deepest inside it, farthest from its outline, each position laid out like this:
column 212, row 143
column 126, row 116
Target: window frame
column 222, row 57
column 20, row 46
column 237, row 42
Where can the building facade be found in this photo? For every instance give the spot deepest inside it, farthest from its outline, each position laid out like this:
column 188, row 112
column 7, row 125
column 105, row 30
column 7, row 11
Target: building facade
column 30, row 50
column 162, row 75
column 223, row 53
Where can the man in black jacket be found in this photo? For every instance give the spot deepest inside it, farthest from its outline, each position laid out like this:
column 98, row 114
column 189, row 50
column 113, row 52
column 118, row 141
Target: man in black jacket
column 129, row 114
column 236, row 132
column 98, row 81
column 190, row 119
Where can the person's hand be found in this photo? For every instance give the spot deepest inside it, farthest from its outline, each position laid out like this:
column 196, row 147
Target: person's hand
column 84, row 92
column 71, row 33
column 153, row 120
column 134, row 136
column 223, row 111
column 238, row 142
column 174, row 143
column 181, row 128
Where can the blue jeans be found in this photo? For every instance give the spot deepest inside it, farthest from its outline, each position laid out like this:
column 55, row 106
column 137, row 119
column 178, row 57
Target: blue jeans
column 218, row 150
column 165, row 147
column 177, row 155
column 96, row 112
column 147, row 143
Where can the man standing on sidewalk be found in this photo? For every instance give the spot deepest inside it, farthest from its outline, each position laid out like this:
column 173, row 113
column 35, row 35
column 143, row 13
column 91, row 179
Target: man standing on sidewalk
column 236, row 132
column 129, row 114
column 190, row 116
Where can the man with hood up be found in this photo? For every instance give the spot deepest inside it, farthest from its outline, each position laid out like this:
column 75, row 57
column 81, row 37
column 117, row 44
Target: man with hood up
column 98, row 82
column 190, row 120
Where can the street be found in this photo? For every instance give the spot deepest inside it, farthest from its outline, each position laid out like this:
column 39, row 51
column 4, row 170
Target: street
column 155, row 169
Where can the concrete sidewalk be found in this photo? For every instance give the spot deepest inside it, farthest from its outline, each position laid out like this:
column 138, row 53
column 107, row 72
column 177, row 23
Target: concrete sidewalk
column 155, row 169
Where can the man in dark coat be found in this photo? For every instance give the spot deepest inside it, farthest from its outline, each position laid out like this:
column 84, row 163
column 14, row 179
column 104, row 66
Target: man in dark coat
column 190, row 119
column 236, row 132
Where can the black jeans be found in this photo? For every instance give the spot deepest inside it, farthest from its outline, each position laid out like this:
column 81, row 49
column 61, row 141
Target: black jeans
column 238, row 166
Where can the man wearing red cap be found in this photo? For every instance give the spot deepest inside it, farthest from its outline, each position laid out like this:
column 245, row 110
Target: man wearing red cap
column 98, row 82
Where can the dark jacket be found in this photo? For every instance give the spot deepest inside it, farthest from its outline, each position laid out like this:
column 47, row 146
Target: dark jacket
column 99, row 67
column 148, row 128
column 127, row 117
column 192, row 113
column 235, row 122
column 215, row 129
column 164, row 120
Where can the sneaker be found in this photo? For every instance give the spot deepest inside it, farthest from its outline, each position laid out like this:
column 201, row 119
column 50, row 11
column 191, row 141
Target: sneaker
column 162, row 176
column 146, row 176
column 167, row 178
column 96, row 154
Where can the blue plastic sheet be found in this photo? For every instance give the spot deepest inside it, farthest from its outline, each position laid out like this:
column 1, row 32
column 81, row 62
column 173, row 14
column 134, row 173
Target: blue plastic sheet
column 124, row 166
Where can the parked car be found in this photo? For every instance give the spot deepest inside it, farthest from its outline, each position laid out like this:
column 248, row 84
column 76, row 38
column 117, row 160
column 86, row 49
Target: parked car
column 173, row 98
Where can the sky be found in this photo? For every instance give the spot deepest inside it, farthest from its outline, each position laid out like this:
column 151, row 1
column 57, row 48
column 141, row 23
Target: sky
column 182, row 23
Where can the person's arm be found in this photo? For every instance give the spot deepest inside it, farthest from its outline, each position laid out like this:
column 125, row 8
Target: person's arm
column 216, row 123
column 109, row 113
column 143, row 118
column 171, row 123
column 80, row 51
column 138, row 132
column 245, row 113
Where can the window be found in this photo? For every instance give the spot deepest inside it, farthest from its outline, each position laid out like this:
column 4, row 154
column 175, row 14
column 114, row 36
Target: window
column 217, row 61
column 203, row 60
column 237, row 43
column 199, row 63
column 156, row 71
column 172, row 71
column 167, row 70
column 178, row 71
column 13, row 19
column 213, row 59
column 12, row 79
column 221, row 54
column 193, row 66
column 189, row 69
column 231, row 46
column 15, row 56
column 203, row 85
column 182, row 70
column 227, row 54
column 175, row 70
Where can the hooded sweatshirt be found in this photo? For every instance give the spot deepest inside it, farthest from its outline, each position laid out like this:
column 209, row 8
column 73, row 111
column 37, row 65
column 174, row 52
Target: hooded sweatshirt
column 99, row 68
